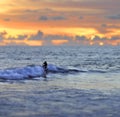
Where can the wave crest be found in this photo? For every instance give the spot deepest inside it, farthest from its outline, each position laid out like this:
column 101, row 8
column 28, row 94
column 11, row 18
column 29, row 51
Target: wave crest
column 33, row 71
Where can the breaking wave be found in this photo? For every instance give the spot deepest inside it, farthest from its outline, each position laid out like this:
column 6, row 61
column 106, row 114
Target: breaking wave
column 33, row 71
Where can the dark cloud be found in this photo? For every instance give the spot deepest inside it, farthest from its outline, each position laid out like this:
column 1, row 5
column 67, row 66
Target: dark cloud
column 104, row 28
column 58, row 18
column 47, row 40
column 34, row 1
column 48, row 10
column 19, row 37
column 37, row 36
column 53, row 37
column 81, row 17
column 67, row 40
column 31, row 11
column 45, row 18
column 11, row 38
column 7, row 19
column 80, row 38
column 2, row 35
column 97, row 38
column 1, row 38
column 13, row 43
column 115, row 38
column 109, row 26
column 22, row 37
column 104, row 25
column 38, row 10
column 114, row 17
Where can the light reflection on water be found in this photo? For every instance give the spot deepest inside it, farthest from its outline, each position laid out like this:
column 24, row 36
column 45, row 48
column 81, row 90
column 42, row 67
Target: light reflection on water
column 80, row 95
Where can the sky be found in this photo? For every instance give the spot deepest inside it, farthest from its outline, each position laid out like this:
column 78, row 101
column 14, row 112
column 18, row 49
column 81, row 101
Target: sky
column 59, row 22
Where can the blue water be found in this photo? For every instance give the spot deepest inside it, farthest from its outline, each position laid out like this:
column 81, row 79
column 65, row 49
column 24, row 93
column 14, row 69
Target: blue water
column 81, row 81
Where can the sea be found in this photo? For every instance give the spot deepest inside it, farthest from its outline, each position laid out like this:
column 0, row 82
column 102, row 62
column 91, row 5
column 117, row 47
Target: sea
column 81, row 81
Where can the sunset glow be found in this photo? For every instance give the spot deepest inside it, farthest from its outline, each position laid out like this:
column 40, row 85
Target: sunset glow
column 59, row 22
column 59, row 42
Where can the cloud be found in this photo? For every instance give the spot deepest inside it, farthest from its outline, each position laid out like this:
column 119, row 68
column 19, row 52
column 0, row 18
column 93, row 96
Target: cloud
column 19, row 37
column 105, row 28
column 115, row 38
column 104, row 25
column 45, row 18
column 58, row 18
column 80, row 38
column 7, row 19
column 1, row 38
column 57, row 39
column 52, row 37
column 97, row 38
column 81, row 17
column 37, row 36
column 110, row 26
column 2, row 35
column 22, row 37
column 31, row 11
column 114, row 17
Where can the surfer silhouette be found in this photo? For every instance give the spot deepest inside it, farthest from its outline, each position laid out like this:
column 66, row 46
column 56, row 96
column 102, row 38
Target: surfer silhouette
column 44, row 65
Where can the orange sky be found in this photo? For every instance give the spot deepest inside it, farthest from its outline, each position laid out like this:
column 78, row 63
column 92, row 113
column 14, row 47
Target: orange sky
column 61, row 22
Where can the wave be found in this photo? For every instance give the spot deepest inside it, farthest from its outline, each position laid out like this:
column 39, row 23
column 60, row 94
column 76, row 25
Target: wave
column 21, row 73
column 33, row 71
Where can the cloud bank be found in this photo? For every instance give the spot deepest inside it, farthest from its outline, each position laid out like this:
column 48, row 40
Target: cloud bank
column 55, row 18
column 41, row 39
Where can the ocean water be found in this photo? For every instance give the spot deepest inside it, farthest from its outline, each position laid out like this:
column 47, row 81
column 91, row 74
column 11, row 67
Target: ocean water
column 82, row 81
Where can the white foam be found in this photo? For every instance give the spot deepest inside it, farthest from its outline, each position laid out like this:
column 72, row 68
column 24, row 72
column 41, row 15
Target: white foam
column 52, row 68
column 22, row 73
column 25, row 72
column 29, row 72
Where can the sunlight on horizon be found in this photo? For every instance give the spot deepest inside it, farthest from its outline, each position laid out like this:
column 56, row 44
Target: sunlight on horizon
column 76, row 22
